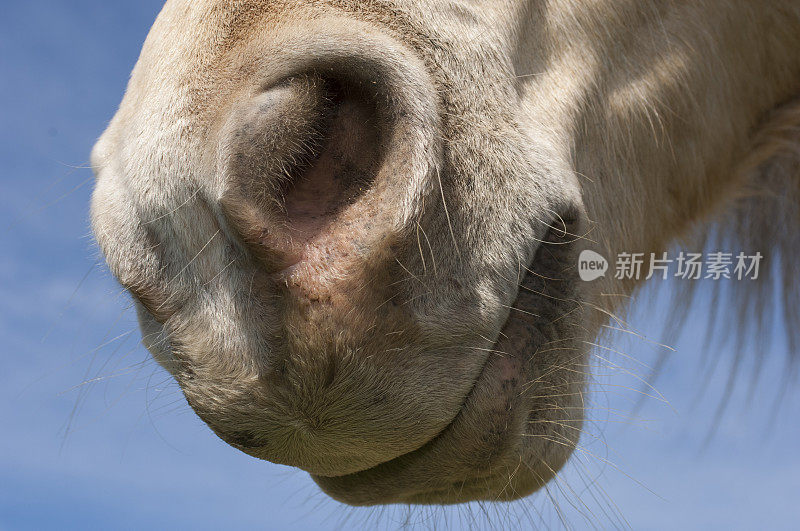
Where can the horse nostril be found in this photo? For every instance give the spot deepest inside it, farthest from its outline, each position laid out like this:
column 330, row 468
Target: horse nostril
column 343, row 169
column 299, row 159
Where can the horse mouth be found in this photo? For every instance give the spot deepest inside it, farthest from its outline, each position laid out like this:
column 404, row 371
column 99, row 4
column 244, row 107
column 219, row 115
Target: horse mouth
column 484, row 453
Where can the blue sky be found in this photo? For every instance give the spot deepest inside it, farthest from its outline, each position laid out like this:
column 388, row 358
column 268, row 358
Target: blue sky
column 124, row 451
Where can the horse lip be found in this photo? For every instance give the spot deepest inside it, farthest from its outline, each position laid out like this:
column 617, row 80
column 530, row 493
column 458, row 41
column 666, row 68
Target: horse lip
column 498, row 370
column 480, row 380
column 428, row 452
column 435, row 437
column 254, row 450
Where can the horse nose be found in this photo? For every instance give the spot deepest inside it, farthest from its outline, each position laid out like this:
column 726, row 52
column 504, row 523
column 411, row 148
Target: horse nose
column 326, row 168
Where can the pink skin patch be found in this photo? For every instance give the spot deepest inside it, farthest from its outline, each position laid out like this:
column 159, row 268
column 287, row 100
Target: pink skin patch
column 329, row 215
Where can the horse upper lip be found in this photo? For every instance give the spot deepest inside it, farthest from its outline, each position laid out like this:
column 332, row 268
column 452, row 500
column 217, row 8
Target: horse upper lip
column 436, row 436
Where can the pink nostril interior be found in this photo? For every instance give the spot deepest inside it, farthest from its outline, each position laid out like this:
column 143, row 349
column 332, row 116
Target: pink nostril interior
column 342, row 172
column 302, row 165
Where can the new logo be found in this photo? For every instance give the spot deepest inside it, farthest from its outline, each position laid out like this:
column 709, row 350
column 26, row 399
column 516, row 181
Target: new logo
column 591, row 266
